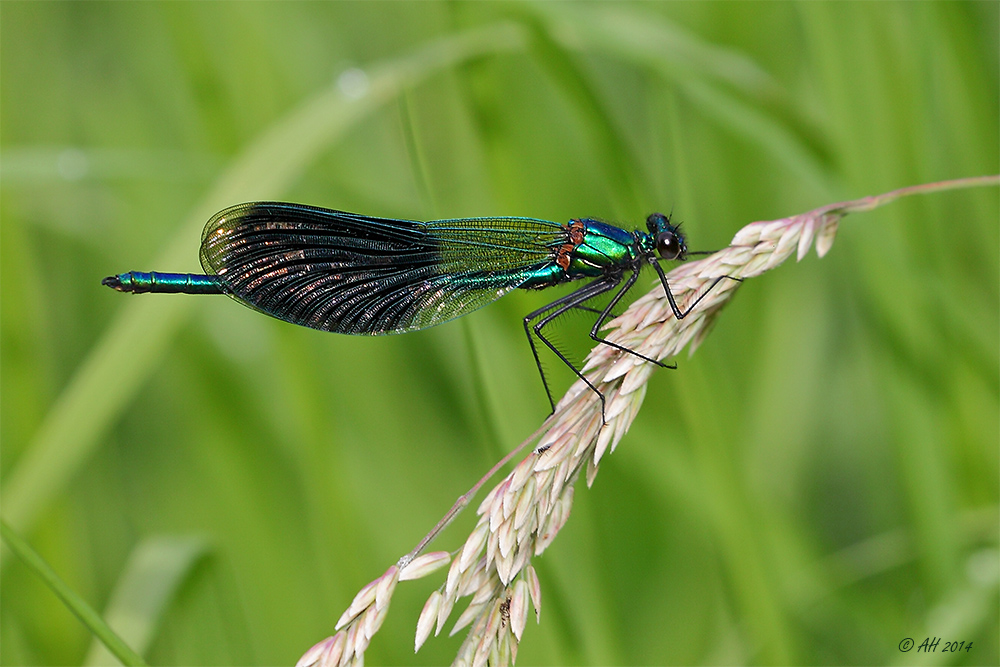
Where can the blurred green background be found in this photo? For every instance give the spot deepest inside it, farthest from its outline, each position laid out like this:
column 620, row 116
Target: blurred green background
column 817, row 483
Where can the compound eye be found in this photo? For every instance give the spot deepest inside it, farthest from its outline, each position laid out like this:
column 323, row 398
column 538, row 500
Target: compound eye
column 668, row 246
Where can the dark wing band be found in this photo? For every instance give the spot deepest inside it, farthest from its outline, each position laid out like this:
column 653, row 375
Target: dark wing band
column 355, row 274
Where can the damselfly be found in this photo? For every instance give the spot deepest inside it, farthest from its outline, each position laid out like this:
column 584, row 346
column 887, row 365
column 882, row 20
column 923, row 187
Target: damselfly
column 356, row 274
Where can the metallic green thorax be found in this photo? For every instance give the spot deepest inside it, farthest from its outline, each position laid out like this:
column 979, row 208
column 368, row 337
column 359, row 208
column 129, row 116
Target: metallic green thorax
column 604, row 248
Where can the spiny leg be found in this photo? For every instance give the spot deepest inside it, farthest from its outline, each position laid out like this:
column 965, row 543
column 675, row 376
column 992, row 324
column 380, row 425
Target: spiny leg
column 531, row 340
column 604, row 316
column 563, row 304
column 557, row 308
column 670, row 296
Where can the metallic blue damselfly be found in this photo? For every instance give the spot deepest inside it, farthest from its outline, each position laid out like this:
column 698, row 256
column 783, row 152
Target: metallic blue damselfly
column 357, row 274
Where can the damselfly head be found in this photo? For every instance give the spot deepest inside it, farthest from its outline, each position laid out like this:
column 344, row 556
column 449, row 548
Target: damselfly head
column 670, row 242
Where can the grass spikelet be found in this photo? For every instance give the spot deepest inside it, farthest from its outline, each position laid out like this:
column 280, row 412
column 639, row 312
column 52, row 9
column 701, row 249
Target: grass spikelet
column 522, row 515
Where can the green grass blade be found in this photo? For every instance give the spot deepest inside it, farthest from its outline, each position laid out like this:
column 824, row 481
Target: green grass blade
column 74, row 602
column 112, row 372
column 724, row 83
column 156, row 570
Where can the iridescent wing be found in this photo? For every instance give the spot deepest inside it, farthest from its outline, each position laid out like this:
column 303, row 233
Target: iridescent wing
column 357, row 274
